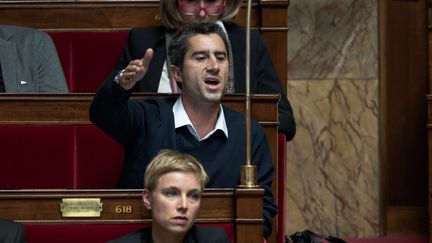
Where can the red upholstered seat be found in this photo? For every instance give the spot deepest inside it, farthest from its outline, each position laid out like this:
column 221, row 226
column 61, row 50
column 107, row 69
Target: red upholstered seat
column 99, row 159
column 90, row 233
column 31, row 153
column 88, row 57
column 58, row 157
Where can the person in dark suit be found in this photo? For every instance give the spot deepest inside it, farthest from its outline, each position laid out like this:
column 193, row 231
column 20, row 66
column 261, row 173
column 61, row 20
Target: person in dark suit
column 195, row 122
column 172, row 192
column 175, row 14
column 29, row 62
column 11, row 232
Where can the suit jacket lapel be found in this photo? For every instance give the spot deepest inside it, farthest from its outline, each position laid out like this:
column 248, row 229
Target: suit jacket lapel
column 8, row 61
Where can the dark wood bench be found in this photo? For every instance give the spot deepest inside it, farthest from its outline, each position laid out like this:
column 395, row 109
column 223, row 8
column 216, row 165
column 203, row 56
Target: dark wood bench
column 101, row 215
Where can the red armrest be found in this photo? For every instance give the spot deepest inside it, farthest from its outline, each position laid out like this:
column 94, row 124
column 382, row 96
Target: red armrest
column 281, row 187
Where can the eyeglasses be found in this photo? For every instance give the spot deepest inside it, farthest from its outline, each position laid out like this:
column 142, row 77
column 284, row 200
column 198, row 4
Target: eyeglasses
column 211, row 7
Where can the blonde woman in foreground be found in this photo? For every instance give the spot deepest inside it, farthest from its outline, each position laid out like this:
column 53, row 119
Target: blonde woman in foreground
column 173, row 184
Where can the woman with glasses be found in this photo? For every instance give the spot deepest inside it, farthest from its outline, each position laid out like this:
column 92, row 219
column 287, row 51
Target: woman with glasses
column 177, row 13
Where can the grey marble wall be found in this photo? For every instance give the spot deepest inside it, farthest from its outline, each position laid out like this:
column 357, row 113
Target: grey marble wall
column 333, row 179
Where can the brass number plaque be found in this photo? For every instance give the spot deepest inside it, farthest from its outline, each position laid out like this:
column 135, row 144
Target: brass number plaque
column 81, row 207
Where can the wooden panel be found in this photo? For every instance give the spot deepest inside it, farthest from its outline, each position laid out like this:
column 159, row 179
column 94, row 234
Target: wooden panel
column 275, row 34
column 249, row 222
column 43, row 205
column 80, row 14
column 276, row 43
column 405, row 89
column 429, row 113
column 407, row 221
column 429, row 127
column 403, row 137
column 218, row 206
column 73, row 108
column 430, row 53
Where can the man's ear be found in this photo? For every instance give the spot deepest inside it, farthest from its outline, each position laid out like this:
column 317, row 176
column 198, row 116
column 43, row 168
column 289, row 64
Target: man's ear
column 146, row 197
column 177, row 74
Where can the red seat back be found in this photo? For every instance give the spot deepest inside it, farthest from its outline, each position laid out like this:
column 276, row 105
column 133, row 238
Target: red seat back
column 31, row 153
column 58, row 157
column 99, row 159
column 88, row 57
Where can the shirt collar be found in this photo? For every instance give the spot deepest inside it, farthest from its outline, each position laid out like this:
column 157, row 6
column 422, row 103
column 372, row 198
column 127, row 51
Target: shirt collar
column 181, row 119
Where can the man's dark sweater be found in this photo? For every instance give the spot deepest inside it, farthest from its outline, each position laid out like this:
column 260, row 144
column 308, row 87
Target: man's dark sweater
column 146, row 127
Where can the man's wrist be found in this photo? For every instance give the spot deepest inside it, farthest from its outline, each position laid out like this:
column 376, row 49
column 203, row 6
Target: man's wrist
column 119, row 76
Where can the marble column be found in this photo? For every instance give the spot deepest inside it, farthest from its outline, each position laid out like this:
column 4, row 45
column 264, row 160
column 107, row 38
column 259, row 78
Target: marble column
column 332, row 184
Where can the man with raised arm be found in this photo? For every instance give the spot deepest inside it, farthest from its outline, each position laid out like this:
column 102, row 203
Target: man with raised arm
column 194, row 123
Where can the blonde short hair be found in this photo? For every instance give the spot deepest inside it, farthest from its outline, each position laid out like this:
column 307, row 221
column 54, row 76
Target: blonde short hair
column 167, row 161
column 172, row 19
